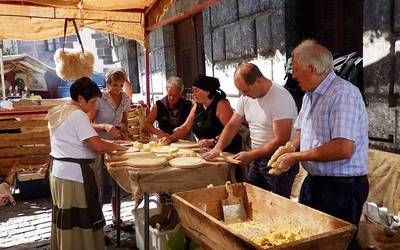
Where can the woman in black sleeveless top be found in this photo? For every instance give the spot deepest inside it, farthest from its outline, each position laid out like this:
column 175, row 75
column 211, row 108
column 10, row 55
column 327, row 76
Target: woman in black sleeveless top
column 208, row 116
column 171, row 111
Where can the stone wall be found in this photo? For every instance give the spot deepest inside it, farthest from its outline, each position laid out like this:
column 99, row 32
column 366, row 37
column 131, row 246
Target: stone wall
column 44, row 50
column 103, row 47
column 238, row 31
column 162, row 54
column 381, row 53
column 234, row 31
column 162, row 61
column 126, row 54
column 263, row 32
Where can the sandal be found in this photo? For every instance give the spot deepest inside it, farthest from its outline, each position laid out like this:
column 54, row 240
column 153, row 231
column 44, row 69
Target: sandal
column 123, row 226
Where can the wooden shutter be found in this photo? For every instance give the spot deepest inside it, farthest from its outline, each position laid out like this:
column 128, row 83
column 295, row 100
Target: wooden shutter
column 189, row 46
column 337, row 24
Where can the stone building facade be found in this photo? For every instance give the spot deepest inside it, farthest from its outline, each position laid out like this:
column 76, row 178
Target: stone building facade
column 97, row 42
column 44, row 50
column 265, row 32
column 234, row 31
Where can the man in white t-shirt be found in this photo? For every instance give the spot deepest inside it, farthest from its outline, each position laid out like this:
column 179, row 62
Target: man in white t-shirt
column 270, row 111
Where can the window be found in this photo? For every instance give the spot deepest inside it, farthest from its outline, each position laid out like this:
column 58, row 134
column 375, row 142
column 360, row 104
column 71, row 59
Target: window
column 50, row 45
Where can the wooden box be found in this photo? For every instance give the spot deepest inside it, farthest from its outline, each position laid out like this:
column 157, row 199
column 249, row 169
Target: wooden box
column 201, row 216
column 24, row 140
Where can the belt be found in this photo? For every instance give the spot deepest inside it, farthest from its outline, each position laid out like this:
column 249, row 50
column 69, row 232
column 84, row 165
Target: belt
column 341, row 179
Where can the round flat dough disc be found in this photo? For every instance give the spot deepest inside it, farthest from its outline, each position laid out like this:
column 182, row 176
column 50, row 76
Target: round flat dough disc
column 126, row 144
column 138, row 155
column 129, row 150
column 187, row 162
column 185, row 144
column 164, row 150
column 132, row 149
column 146, row 162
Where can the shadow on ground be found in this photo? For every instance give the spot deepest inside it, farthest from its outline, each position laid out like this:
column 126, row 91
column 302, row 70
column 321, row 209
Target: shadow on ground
column 27, row 225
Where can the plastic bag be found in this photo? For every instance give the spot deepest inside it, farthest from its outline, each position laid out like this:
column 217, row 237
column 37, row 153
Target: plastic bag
column 381, row 216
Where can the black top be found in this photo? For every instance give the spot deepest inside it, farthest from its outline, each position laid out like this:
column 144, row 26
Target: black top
column 169, row 118
column 207, row 125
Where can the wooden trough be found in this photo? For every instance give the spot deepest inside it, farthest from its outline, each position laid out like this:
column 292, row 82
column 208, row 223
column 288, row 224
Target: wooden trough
column 201, row 216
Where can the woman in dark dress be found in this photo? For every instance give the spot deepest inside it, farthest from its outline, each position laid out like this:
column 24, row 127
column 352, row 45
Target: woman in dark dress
column 208, row 116
column 170, row 112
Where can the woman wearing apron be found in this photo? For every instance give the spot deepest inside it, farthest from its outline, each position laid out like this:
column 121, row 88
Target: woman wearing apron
column 77, row 221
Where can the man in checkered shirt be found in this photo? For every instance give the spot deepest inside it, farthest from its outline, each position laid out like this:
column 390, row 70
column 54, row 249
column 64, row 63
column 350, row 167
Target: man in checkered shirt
column 331, row 139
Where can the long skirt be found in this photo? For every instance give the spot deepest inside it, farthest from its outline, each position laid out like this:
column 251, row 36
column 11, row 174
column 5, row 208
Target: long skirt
column 71, row 226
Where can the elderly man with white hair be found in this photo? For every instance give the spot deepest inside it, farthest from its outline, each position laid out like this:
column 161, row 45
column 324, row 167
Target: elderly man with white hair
column 331, row 137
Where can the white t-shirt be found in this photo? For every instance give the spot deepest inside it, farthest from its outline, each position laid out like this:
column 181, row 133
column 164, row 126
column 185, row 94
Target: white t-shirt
column 67, row 141
column 277, row 104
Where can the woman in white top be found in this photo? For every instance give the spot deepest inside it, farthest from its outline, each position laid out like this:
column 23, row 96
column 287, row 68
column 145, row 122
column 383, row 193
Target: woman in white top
column 77, row 216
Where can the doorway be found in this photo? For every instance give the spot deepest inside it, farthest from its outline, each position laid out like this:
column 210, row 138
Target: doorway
column 189, row 49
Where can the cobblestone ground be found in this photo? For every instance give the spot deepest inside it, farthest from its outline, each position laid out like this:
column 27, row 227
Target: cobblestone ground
column 27, row 225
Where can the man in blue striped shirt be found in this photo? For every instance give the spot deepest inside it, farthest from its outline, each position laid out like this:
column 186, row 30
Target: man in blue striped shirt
column 331, row 135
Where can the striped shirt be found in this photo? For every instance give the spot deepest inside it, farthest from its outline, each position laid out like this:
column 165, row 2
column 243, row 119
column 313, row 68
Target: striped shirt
column 335, row 109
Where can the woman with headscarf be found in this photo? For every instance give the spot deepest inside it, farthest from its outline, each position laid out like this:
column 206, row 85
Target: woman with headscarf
column 77, row 216
column 208, row 116
column 170, row 112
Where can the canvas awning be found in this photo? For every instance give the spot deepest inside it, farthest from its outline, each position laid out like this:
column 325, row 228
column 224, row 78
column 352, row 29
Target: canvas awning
column 44, row 19
column 132, row 19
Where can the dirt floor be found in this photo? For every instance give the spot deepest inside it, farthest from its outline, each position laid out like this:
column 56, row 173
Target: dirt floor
column 26, row 225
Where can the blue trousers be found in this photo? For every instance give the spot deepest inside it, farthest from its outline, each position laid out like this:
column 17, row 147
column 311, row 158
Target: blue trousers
column 342, row 197
column 280, row 184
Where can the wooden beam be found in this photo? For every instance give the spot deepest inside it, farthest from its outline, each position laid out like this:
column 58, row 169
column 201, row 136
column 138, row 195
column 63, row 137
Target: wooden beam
column 26, row 136
column 89, row 5
column 23, row 124
column 130, row 16
column 14, row 113
column 153, row 23
column 7, row 163
column 24, row 142
column 24, row 151
column 156, row 9
column 93, row 15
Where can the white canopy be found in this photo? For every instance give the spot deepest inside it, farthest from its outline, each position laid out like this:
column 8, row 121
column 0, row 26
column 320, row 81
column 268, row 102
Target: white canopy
column 43, row 19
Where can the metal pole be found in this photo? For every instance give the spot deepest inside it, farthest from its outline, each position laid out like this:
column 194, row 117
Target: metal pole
column 146, row 221
column 3, row 83
column 147, row 74
column 118, row 212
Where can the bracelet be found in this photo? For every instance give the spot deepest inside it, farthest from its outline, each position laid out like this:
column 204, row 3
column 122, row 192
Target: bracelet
column 215, row 140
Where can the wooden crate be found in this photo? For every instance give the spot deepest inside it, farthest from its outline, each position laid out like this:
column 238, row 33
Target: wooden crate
column 24, row 141
column 207, row 228
column 136, row 118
